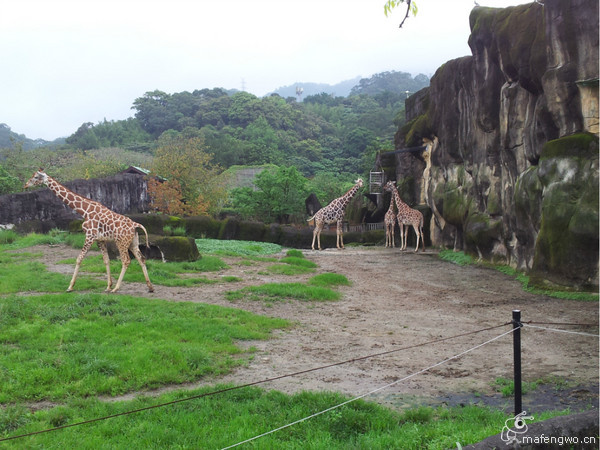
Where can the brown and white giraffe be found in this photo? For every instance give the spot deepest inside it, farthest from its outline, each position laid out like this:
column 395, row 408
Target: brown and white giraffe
column 334, row 212
column 390, row 223
column 406, row 216
column 100, row 225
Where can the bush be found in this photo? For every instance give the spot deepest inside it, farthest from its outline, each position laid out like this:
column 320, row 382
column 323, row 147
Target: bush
column 8, row 236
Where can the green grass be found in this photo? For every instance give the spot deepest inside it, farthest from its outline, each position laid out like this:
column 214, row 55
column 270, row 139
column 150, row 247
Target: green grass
column 20, row 272
column 282, row 291
column 228, row 418
column 528, row 287
column 77, row 345
column 292, row 265
column 236, row 248
column 460, row 258
column 329, row 279
column 165, row 274
column 463, row 259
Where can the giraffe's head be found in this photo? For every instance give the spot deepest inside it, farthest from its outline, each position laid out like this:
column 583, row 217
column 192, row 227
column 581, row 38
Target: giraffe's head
column 38, row 178
column 359, row 182
column 389, row 186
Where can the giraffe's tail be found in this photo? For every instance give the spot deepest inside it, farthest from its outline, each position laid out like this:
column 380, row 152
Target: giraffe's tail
column 139, row 225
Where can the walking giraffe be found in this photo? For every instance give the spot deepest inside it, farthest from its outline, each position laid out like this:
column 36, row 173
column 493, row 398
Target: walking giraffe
column 100, row 225
column 390, row 223
column 334, row 212
column 407, row 216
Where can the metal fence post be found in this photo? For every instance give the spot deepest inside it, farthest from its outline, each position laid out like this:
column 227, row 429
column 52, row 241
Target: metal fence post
column 516, row 321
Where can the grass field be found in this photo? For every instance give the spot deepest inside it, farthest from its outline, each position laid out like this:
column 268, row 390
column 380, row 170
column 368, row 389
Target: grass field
column 63, row 355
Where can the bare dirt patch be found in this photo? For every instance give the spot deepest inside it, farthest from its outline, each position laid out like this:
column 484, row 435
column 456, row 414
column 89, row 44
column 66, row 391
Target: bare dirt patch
column 397, row 300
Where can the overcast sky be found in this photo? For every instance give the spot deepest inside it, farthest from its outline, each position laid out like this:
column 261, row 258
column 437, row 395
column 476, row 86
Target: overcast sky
column 69, row 62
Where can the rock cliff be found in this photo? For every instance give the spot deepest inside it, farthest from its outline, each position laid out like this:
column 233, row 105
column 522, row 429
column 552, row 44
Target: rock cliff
column 41, row 210
column 513, row 174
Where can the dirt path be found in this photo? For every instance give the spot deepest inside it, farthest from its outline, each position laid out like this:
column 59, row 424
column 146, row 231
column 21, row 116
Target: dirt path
column 399, row 300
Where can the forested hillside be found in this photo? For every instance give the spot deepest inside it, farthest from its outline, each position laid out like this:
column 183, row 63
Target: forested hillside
column 9, row 138
column 322, row 133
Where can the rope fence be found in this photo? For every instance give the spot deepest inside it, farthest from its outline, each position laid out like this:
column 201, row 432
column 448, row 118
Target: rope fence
column 516, row 327
column 374, row 391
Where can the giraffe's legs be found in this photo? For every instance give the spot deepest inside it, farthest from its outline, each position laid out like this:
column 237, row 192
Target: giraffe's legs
column 339, row 235
column 402, row 239
column 416, row 228
column 138, row 255
column 106, row 260
column 317, row 234
column 125, row 261
column 392, row 238
column 88, row 243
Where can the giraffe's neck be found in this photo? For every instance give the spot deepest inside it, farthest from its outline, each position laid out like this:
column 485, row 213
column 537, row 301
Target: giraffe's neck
column 345, row 199
column 399, row 202
column 81, row 205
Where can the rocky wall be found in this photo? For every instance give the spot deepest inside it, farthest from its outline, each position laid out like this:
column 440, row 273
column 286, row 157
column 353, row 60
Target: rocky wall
column 514, row 174
column 41, row 210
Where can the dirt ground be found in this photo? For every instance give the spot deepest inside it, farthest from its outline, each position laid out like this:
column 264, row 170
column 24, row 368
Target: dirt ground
column 398, row 300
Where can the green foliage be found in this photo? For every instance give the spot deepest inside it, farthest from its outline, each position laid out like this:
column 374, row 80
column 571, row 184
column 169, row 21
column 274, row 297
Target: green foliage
column 8, row 236
column 8, row 183
column 127, row 134
column 279, row 196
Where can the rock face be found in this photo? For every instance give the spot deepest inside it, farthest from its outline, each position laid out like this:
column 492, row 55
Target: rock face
column 123, row 193
column 514, row 175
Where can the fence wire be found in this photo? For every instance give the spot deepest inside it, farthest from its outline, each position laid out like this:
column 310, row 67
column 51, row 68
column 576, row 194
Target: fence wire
column 374, row 390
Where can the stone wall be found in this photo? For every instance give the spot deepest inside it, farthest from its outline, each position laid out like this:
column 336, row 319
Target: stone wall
column 41, row 210
column 514, row 175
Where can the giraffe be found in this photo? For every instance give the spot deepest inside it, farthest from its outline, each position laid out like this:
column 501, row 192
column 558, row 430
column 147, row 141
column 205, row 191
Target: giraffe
column 407, row 216
column 390, row 223
column 334, row 212
column 100, row 225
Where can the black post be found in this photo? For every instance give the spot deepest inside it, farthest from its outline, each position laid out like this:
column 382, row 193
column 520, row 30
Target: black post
column 516, row 314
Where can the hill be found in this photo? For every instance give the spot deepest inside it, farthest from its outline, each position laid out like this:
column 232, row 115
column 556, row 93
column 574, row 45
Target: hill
column 341, row 89
column 9, row 138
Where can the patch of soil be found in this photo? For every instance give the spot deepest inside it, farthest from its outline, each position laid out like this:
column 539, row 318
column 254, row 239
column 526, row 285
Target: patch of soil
column 399, row 300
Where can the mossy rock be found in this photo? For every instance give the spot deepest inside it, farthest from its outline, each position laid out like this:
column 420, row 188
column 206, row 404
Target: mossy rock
column 177, row 248
column 582, row 145
column 481, row 233
column 566, row 250
column 75, row 226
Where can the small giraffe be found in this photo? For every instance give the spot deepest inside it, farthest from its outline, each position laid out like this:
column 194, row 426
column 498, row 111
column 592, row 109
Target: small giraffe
column 102, row 225
column 390, row 223
column 334, row 212
column 407, row 216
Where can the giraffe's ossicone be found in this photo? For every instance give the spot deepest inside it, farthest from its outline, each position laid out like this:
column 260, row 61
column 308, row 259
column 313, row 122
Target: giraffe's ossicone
column 100, row 225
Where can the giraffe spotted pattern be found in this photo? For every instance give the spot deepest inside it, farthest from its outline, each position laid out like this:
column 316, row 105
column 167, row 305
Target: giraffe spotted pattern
column 100, row 225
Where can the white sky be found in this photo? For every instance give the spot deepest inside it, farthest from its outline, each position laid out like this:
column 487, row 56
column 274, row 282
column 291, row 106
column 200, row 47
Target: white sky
column 66, row 62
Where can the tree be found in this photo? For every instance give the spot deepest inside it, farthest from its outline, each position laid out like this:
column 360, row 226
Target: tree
column 8, row 183
column 191, row 185
column 411, row 6
column 279, row 196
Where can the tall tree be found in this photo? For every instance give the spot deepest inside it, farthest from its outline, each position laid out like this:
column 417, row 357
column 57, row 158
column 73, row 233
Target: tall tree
column 188, row 173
